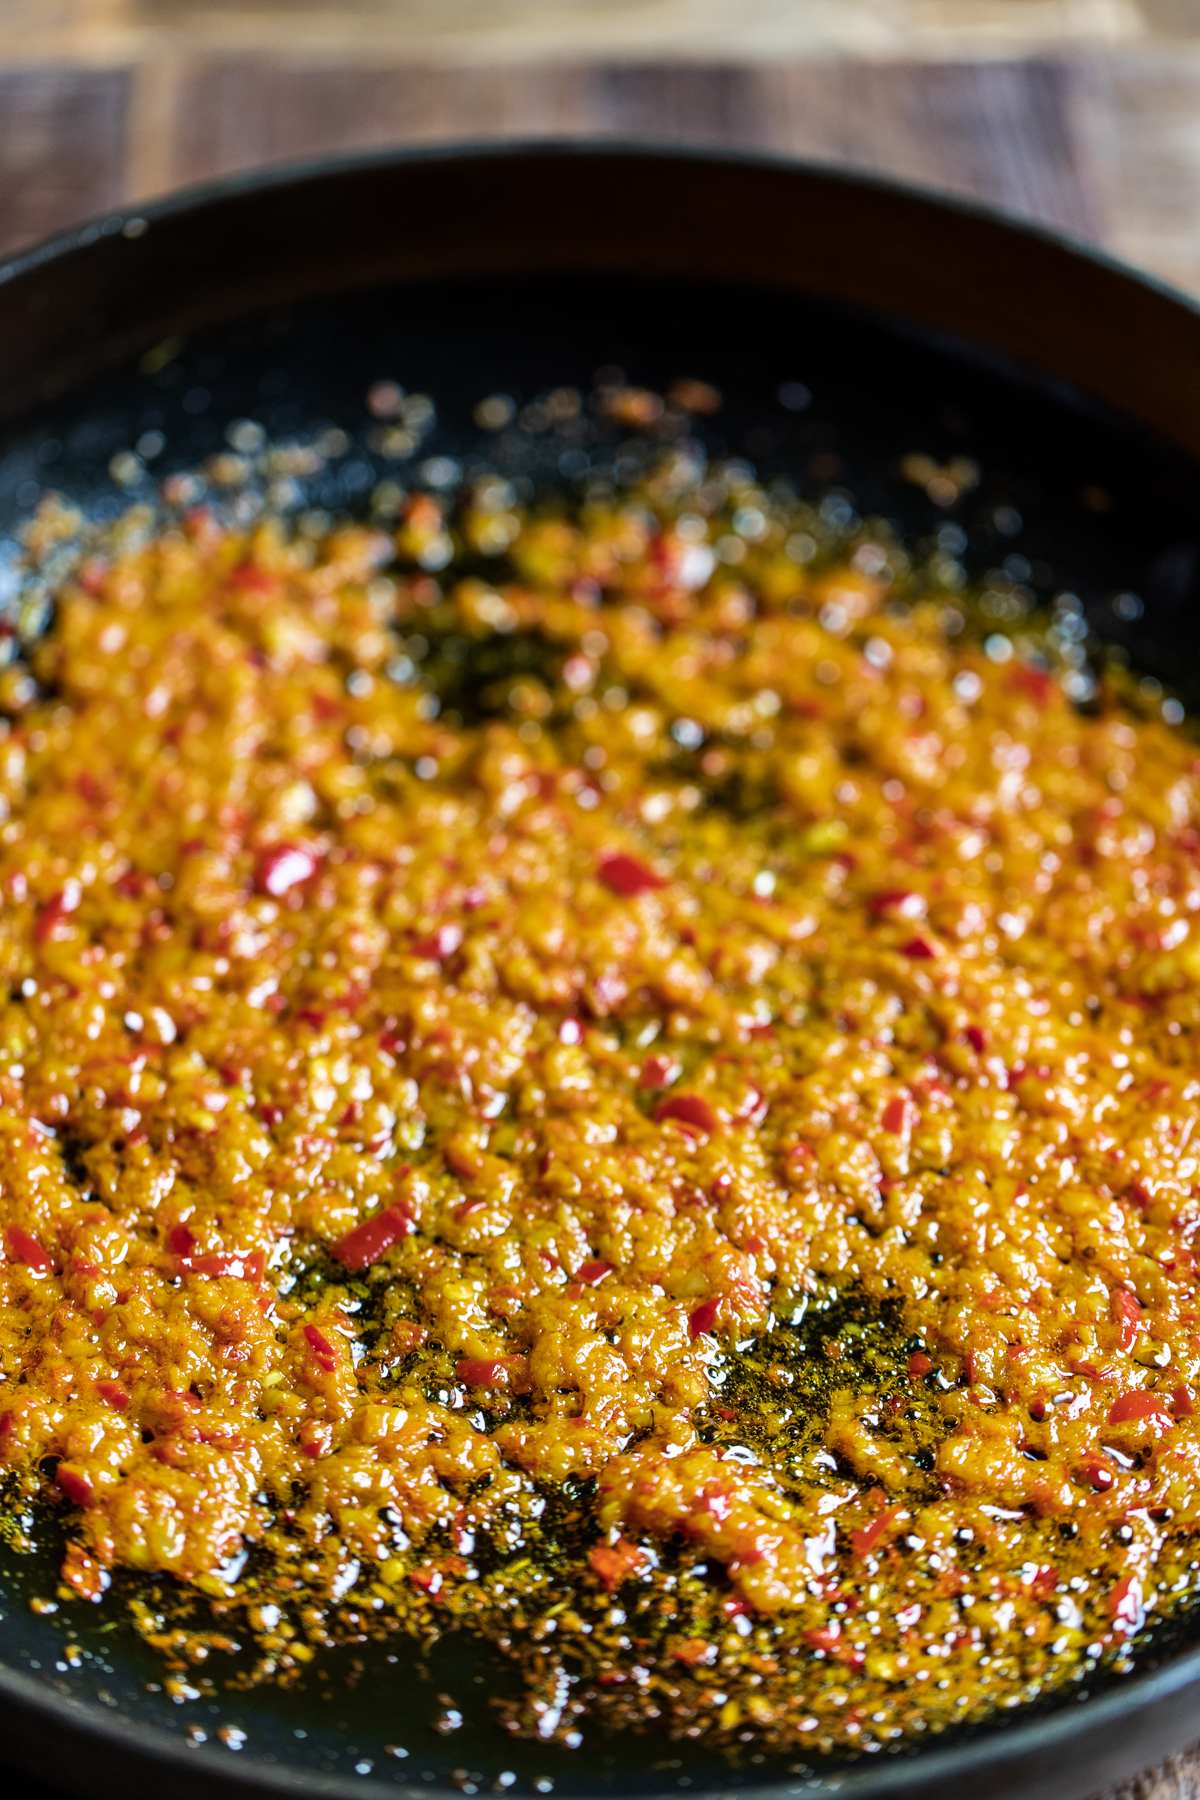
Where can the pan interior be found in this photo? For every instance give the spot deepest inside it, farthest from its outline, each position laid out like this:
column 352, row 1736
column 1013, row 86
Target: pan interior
column 1067, row 499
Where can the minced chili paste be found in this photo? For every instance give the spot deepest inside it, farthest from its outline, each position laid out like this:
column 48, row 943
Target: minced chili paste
column 606, row 1072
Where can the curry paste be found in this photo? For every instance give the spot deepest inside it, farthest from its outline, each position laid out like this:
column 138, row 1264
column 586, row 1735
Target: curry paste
column 607, row 1072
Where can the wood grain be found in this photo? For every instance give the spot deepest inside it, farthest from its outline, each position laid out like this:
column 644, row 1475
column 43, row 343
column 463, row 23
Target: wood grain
column 242, row 113
column 1000, row 132
column 235, row 114
column 62, row 148
column 1176, row 1779
column 718, row 30
column 1135, row 121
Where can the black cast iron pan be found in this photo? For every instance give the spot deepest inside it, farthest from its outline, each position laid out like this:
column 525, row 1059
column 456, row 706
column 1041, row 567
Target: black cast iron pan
column 914, row 326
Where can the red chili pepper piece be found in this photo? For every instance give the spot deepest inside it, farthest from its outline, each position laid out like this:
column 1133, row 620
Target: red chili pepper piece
column 897, row 1115
column 488, row 1371
column 1101, row 1475
column 1124, row 1605
column 1090, row 1370
column 689, row 1109
column 615, row 1563
column 315, row 1438
column 919, row 1364
column 440, row 943
column 113, row 1394
column 284, row 868
column 976, row 1037
column 1181, row 1403
column 321, row 1347
column 865, row 1540
column 428, row 1579
column 1127, row 1316
column 246, row 575
column 244, row 1265
column 368, row 1241
column 76, row 1484
column 25, row 1249
column 920, row 949
column 1139, row 1405
column 57, row 908
column 1034, row 682
column 658, row 1072
column 704, row 1317
column 904, row 904
column 181, row 1240
column 715, row 1500
column 480, row 1372
column 83, row 1573
column 592, row 1272
column 626, row 876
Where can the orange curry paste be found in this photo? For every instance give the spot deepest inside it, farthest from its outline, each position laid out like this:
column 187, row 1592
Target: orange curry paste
column 641, row 1100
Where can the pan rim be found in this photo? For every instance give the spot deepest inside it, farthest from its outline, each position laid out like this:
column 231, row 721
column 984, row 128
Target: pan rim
column 294, row 172
column 908, row 1771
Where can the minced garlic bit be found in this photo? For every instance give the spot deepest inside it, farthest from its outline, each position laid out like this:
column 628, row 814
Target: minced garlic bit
column 594, row 1072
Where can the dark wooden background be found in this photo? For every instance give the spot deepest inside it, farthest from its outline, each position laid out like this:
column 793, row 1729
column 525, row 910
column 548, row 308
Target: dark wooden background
column 1002, row 131
column 1099, row 144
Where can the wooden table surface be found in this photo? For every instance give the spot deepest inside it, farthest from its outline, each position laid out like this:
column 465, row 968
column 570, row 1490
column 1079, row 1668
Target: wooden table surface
column 1101, row 143
column 76, row 140
column 1095, row 142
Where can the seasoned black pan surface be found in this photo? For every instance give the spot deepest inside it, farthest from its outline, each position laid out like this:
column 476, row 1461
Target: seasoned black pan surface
column 847, row 326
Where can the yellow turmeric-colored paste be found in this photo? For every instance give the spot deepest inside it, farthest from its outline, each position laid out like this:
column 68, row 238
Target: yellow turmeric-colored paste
column 642, row 1103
